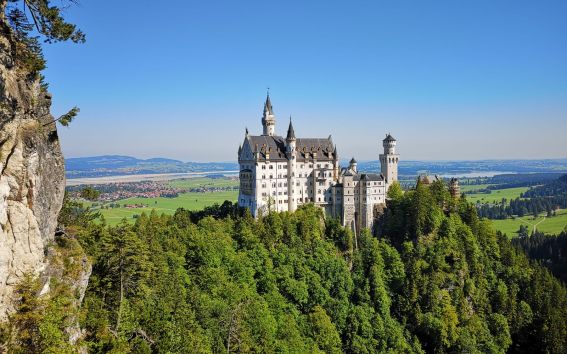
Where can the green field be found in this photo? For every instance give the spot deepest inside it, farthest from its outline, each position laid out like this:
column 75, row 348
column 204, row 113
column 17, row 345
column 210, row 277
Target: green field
column 203, row 182
column 496, row 195
column 510, row 227
column 472, row 187
column 553, row 225
column 189, row 201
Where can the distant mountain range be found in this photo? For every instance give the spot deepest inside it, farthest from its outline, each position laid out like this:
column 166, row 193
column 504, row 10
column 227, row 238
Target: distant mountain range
column 116, row 165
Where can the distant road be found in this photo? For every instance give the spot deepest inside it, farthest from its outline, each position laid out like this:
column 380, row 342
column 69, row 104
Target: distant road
column 144, row 177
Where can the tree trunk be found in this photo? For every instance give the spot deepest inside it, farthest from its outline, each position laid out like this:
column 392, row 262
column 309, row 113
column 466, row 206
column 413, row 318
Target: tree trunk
column 121, row 297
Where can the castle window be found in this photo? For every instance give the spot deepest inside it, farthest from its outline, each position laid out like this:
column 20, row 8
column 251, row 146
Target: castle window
column 271, row 167
column 310, row 165
column 271, row 176
column 263, row 167
column 263, row 176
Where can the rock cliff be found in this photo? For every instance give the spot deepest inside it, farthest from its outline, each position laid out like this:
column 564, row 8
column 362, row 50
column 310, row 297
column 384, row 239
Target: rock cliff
column 32, row 179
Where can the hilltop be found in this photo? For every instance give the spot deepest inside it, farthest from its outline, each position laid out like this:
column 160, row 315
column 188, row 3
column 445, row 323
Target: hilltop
column 117, row 165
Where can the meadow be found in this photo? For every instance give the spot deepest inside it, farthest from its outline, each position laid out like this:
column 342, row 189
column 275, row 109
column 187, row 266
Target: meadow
column 472, row 187
column 203, row 182
column 495, row 195
column 189, row 201
column 552, row 225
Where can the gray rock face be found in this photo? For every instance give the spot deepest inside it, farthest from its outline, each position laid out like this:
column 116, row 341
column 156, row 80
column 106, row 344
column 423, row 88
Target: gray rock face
column 32, row 178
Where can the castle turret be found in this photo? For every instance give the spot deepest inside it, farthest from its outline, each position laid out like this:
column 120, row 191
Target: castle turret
column 353, row 165
column 291, row 167
column 268, row 118
column 454, row 188
column 290, row 138
column 389, row 159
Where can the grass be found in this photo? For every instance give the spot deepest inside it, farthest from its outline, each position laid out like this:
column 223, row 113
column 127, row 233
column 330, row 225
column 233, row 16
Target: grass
column 189, row 201
column 553, row 225
column 203, row 182
column 496, row 195
column 472, row 187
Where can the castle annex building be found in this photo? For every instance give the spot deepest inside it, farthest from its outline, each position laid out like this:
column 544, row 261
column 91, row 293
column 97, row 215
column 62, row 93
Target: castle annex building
column 279, row 174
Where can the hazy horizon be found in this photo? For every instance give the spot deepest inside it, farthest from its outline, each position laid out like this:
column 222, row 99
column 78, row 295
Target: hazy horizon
column 450, row 81
column 341, row 159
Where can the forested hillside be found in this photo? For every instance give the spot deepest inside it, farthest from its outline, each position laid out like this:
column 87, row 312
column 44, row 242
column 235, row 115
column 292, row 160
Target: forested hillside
column 436, row 280
column 550, row 250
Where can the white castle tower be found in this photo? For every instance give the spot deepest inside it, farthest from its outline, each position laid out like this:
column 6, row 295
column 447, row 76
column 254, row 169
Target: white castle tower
column 389, row 160
column 268, row 118
column 291, row 154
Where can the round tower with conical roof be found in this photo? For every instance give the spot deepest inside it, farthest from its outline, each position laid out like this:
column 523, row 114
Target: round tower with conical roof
column 268, row 118
column 291, row 153
column 389, row 160
column 353, row 165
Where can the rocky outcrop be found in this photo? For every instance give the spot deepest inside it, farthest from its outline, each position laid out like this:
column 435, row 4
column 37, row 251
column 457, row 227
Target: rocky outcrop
column 32, row 179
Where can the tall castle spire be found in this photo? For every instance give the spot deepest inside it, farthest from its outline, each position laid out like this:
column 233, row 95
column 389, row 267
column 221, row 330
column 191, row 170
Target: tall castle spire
column 268, row 118
column 290, row 131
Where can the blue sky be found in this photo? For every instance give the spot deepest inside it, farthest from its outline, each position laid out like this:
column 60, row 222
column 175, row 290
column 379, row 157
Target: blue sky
column 449, row 79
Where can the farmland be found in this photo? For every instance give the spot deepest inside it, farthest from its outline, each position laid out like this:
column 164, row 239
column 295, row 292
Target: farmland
column 552, row 225
column 189, row 200
column 510, row 226
column 495, row 195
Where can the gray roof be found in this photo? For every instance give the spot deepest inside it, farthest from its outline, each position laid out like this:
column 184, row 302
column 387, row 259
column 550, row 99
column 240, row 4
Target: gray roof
column 389, row 138
column 290, row 131
column 357, row 176
column 268, row 105
column 305, row 147
column 347, row 172
column 371, row 177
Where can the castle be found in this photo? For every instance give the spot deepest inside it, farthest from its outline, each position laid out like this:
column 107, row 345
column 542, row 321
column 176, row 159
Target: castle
column 279, row 174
